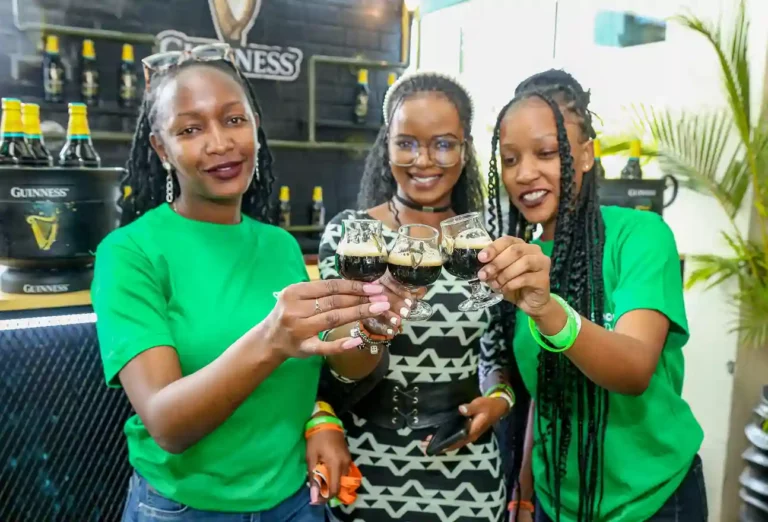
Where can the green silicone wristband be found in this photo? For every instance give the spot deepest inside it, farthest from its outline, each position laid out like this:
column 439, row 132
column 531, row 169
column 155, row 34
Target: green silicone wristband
column 500, row 387
column 324, row 419
column 565, row 338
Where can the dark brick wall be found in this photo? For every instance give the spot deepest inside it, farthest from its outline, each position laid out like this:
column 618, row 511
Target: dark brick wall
column 370, row 28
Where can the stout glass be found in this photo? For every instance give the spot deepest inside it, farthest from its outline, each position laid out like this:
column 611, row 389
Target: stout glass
column 464, row 237
column 362, row 253
column 415, row 262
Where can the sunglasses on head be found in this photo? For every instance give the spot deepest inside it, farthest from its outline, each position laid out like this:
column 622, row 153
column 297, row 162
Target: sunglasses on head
column 160, row 63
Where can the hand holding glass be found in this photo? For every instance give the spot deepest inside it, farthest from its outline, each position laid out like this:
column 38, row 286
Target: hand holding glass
column 362, row 252
column 415, row 262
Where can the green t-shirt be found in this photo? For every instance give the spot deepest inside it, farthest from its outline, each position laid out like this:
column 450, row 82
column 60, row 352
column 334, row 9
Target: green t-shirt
column 650, row 440
column 165, row 280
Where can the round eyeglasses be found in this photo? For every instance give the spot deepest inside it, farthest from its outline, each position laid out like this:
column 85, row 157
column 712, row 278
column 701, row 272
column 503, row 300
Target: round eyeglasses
column 444, row 151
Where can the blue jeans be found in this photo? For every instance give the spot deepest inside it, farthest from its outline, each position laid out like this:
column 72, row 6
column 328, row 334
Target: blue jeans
column 144, row 504
column 687, row 504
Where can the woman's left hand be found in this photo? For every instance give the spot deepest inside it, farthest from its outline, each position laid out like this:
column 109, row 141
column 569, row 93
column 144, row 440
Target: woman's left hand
column 520, row 271
column 330, row 448
column 483, row 413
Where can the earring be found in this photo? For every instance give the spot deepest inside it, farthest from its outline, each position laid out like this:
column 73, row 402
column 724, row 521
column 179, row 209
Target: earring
column 256, row 171
column 168, row 182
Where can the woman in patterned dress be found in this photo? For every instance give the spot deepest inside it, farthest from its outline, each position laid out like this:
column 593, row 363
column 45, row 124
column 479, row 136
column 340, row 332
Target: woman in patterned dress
column 422, row 169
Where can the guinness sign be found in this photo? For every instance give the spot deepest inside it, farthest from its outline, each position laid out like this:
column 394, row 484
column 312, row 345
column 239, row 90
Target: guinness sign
column 232, row 20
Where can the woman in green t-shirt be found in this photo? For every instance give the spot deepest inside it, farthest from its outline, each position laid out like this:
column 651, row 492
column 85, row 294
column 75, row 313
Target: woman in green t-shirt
column 597, row 322
column 205, row 314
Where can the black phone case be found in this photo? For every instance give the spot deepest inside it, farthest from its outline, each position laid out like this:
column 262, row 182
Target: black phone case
column 448, row 434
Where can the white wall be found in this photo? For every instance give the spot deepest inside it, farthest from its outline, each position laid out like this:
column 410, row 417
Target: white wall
column 505, row 41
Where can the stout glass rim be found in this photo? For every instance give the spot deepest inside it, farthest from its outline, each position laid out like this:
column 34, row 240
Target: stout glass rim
column 435, row 232
column 458, row 219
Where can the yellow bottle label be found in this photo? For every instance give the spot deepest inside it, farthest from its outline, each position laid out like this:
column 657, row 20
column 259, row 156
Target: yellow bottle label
column 30, row 118
column 285, row 194
column 317, row 194
column 52, row 44
column 11, row 125
column 89, row 50
column 362, row 76
column 391, row 78
column 78, row 122
column 634, row 149
column 598, row 148
column 128, row 53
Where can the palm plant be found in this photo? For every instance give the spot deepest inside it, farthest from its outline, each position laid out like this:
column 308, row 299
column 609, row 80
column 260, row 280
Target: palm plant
column 723, row 153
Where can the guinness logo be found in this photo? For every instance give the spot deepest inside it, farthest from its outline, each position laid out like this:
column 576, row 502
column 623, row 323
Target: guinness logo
column 234, row 18
column 45, row 289
column 37, row 193
column 232, row 21
column 45, row 229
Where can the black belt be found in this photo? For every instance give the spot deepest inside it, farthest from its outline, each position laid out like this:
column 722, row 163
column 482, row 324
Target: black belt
column 424, row 405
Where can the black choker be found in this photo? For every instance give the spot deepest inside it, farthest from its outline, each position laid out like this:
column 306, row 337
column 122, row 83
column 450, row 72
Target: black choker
column 420, row 208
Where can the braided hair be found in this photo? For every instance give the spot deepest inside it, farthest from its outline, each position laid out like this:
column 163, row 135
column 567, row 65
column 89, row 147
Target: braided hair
column 576, row 275
column 145, row 173
column 378, row 185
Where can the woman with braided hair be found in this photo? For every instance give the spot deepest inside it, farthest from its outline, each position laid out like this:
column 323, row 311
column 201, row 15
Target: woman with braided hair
column 206, row 317
column 596, row 319
column 421, row 170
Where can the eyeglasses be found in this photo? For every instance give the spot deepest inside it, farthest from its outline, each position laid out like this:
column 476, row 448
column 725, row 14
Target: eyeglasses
column 444, row 151
column 159, row 63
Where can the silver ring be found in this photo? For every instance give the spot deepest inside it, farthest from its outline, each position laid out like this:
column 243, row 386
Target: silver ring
column 317, row 306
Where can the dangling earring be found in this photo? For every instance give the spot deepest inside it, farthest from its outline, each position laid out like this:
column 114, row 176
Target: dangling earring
column 256, row 171
column 168, row 182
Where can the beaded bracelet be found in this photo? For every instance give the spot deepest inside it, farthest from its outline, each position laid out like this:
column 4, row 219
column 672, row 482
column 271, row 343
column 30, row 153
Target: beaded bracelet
column 370, row 341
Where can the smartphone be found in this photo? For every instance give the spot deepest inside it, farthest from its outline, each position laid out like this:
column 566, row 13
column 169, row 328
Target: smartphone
column 450, row 432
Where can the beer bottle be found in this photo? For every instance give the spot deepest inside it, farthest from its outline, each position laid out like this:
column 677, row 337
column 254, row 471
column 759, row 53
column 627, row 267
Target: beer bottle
column 391, row 79
column 362, row 94
column 632, row 169
column 78, row 151
column 317, row 213
column 285, row 207
column 30, row 118
column 89, row 74
column 53, row 71
column 14, row 149
column 127, row 80
column 599, row 169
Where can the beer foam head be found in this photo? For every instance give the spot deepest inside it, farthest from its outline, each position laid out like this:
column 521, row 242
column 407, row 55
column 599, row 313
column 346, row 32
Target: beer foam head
column 474, row 238
column 359, row 250
column 406, row 258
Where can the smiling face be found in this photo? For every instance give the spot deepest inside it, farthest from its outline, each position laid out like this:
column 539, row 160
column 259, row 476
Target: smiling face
column 428, row 123
column 206, row 129
column 530, row 159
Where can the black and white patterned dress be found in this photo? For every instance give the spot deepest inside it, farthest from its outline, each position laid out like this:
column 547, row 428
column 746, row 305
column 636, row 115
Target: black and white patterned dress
column 399, row 481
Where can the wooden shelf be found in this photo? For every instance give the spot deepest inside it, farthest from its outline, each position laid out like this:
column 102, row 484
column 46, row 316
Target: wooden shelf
column 348, row 125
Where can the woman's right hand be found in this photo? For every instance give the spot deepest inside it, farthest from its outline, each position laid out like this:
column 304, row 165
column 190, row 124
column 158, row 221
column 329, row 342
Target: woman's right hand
column 401, row 300
column 303, row 310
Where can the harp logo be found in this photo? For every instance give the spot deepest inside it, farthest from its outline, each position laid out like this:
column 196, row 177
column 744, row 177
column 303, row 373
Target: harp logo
column 232, row 21
column 45, row 229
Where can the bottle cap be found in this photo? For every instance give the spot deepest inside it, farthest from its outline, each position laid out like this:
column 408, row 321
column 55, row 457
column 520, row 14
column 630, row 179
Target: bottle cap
column 598, row 148
column 362, row 76
column 30, row 118
column 11, row 104
column 285, row 193
column 31, row 109
column 52, row 44
column 78, row 108
column 391, row 78
column 635, row 148
column 127, row 53
column 89, row 50
column 317, row 194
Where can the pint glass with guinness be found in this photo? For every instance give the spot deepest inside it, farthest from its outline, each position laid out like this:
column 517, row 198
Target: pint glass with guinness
column 415, row 262
column 362, row 253
column 464, row 237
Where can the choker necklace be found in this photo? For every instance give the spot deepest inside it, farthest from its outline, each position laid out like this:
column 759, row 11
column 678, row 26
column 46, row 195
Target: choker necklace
column 420, row 208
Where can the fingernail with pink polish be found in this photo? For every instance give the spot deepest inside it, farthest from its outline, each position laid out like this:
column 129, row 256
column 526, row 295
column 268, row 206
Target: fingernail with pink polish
column 352, row 343
column 378, row 298
column 409, row 303
column 373, row 289
column 393, row 320
column 404, row 312
column 377, row 308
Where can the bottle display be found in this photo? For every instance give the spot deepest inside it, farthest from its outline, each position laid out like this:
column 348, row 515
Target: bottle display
column 14, row 149
column 127, row 79
column 54, row 76
column 89, row 74
column 78, row 151
column 317, row 210
column 632, row 169
column 362, row 96
column 30, row 118
column 284, row 219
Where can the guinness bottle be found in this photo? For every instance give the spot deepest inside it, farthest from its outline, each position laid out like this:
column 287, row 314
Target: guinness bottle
column 391, row 79
column 362, row 94
column 317, row 212
column 599, row 169
column 284, row 219
column 632, row 169
column 30, row 118
column 53, row 71
column 78, row 151
column 127, row 80
column 14, row 149
column 89, row 74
